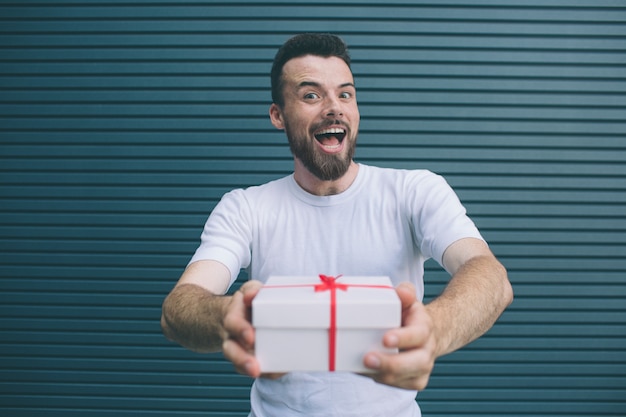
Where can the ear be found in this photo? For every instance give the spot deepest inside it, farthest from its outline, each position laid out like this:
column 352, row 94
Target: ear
column 276, row 116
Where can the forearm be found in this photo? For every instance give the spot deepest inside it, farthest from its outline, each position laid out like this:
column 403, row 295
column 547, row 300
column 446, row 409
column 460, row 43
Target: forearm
column 192, row 316
column 471, row 303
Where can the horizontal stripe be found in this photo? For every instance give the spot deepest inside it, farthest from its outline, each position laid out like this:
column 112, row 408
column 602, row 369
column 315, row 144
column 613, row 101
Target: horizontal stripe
column 122, row 125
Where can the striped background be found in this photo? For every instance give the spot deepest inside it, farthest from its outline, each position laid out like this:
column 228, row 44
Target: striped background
column 122, row 124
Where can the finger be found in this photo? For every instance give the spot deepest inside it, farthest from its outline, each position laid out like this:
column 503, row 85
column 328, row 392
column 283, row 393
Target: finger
column 237, row 323
column 238, row 346
column 408, row 370
column 415, row 331
column 407, row 294
column 409, row 302
column 249, row 290
column 240, row 320
column 244, row 362
column 407, row 338
column 273, row 375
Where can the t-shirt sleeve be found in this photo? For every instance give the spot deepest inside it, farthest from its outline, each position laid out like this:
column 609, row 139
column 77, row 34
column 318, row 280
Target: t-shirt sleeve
column 227, row 235
column 439, row 217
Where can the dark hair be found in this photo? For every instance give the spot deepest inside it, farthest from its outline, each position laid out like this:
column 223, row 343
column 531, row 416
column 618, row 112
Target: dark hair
column 318, row 44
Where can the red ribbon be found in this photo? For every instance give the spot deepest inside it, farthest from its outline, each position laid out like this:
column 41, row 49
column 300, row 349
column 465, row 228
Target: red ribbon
column 330, row 283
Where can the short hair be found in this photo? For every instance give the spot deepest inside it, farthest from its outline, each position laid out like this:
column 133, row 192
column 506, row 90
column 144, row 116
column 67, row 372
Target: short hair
column 318, row 44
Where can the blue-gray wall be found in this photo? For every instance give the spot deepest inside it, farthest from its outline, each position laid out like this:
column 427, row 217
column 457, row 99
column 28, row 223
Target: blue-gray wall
column 122, row 124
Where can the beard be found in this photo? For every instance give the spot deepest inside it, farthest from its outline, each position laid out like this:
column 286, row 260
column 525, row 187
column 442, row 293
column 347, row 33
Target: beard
column 323, row 166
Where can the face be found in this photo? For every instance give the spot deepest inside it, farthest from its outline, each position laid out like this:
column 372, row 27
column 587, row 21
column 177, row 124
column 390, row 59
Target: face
column 320, row 115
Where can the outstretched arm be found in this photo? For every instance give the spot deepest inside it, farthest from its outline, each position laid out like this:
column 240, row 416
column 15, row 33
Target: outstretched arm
column 197, row 317
column 193, row 312
column 476, row 295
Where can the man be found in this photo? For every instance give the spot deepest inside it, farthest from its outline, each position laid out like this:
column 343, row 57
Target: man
column 335, row 216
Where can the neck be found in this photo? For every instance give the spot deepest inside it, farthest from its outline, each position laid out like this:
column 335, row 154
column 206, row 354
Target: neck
column 315, row 186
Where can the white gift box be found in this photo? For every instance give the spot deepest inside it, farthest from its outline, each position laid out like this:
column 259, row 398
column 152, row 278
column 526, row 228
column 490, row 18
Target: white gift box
column 322, row 323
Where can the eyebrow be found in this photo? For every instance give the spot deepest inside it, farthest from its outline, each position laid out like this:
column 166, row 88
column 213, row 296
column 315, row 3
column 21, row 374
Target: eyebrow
column 316, row 84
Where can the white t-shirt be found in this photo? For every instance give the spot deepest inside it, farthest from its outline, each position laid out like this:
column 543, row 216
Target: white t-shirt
column 388, row 222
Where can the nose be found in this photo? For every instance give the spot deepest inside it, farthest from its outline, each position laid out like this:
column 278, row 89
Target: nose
column 333, row 107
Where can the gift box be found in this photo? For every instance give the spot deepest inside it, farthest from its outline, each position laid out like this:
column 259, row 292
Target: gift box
column 322, row 323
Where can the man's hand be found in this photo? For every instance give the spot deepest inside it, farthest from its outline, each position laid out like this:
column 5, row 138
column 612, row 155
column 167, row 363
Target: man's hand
column 476, row 295
column 238, row 346
column 411, row 367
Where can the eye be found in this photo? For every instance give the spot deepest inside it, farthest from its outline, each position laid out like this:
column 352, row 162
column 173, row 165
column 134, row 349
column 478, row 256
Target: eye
column 345, row 95
column 311, row 96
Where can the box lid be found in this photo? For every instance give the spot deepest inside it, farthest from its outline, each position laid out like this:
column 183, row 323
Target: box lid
column 292, row 301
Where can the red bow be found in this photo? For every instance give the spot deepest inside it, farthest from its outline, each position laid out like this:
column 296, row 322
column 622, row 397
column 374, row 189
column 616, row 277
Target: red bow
column 330, row 283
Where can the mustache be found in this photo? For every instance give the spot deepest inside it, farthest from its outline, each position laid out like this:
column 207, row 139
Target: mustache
column 328, row 123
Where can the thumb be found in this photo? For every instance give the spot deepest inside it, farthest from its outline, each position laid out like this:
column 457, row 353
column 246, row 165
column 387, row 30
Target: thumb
column 249, row 290
column 407, row 294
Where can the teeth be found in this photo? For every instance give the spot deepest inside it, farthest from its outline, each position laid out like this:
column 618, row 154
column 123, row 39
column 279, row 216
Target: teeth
column 331, row 131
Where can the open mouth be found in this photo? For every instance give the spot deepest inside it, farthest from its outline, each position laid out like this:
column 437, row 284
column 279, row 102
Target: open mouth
column 331, row 137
